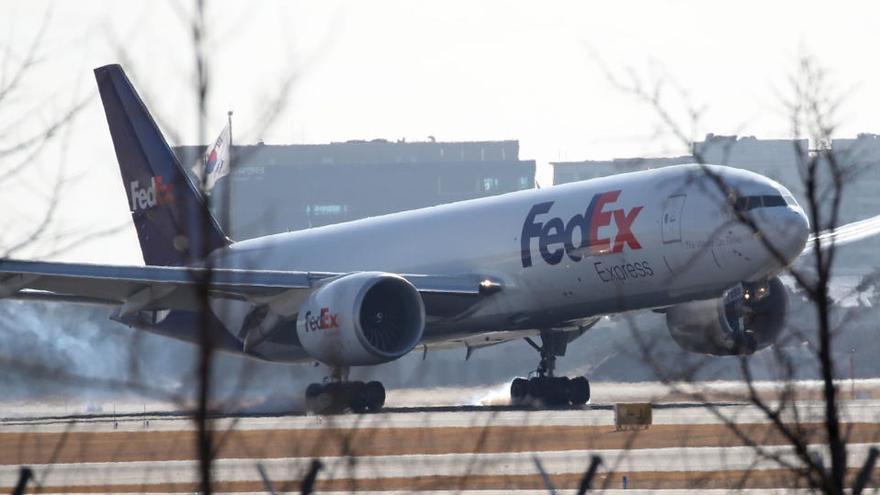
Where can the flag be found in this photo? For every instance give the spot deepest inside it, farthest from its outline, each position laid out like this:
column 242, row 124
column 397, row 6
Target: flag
column 215, row 163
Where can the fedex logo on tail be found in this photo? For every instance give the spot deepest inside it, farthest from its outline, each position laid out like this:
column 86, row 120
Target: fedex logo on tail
column 156, row 193
column 556, row 238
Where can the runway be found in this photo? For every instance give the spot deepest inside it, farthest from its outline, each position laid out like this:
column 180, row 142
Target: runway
column 437, row 448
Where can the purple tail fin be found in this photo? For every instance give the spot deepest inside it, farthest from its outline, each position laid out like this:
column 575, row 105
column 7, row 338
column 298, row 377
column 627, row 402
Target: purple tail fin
column 174, row 225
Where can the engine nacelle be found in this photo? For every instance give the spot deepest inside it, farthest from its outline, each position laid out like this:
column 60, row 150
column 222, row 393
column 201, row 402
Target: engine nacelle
column 748, row 318
column 361, row 319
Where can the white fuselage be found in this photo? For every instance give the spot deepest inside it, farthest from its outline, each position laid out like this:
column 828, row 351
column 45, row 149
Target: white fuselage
column 630, row 241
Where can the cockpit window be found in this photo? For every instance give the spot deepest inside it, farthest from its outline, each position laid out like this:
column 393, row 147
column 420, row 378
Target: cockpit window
column 746, row 203
column 773, row 201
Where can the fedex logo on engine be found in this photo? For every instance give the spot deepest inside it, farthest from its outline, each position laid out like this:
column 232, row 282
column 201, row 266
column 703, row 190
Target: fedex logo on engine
column 325, row 321
column 557, row 238
column 156, row 193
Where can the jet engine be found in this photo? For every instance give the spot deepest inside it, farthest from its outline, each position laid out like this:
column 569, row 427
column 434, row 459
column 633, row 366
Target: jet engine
column 361, row 319
column 749, row 317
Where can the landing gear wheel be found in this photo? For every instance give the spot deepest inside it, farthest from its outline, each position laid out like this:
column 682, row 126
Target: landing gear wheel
column 537, row 386
column 544, row 388
column 519, row 390
column 337, row 397
column 578, row 391
column 369, row 397
column 317, row 398
column 550, row 391
column 557, row 391
column 356, row 401
column 314, row 390
column 374, row 395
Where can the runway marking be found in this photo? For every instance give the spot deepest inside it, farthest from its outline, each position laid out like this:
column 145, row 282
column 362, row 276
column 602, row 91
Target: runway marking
column 74, row 447
column 475, row 450
column 522, row 463
column 651, row 480
column 669, row 408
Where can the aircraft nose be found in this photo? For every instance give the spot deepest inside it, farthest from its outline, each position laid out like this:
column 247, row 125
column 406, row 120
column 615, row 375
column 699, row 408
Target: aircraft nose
column 792, row 228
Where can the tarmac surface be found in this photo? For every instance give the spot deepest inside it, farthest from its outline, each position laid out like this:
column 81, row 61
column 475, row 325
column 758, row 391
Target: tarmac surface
column 440, row 449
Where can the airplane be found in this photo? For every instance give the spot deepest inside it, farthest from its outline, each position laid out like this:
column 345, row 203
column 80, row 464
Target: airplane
column 541, row 264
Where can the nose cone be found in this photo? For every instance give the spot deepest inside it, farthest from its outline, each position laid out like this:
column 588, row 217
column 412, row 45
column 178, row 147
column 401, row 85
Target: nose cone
column 789, row 231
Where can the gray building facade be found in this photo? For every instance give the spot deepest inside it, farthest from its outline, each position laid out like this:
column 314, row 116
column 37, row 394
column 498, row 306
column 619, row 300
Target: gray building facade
column 280, row 188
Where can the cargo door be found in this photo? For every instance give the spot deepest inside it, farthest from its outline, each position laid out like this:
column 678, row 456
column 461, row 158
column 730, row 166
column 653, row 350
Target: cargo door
column 673, row 208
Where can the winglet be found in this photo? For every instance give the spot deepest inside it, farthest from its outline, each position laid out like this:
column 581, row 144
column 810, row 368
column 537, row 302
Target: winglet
column 173, row 222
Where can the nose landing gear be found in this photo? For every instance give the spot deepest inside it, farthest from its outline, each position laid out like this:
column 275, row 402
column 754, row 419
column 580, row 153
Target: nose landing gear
column 337, row 395
column 544, row 387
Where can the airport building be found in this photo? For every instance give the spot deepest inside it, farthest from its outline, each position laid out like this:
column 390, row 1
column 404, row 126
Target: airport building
column 775, row 158
column 565, row 172
column 280, row 188
column 779, row 159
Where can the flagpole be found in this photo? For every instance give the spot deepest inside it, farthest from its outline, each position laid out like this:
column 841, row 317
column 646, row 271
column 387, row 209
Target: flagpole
column 228, row 206
column 229, row 120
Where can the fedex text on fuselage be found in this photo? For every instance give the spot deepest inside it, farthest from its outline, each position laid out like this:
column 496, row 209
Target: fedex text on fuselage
column 556, row 238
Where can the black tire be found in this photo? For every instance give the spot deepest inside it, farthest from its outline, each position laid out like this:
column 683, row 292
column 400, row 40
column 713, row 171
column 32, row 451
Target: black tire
column 336, row 398
column 317, row 399
column 579, row 391
column 519, row 389
column 356, row 397
column 556, row 393
column 537, row 388
column 373, row 395
column 314, row 390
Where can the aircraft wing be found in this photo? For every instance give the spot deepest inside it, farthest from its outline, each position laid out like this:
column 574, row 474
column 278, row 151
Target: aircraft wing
column 136, row 288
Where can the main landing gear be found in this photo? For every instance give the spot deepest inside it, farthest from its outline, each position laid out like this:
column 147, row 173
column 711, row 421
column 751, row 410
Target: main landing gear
column 337, row 394
column 544, row 387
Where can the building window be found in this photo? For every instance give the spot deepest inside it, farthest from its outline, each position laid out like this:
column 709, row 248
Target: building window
column 456, row 184
column 525, row 182
column 326, row 210
column 490, row 184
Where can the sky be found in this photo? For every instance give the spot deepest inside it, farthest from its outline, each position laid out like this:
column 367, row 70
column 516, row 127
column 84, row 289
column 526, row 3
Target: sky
column 538, row 72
